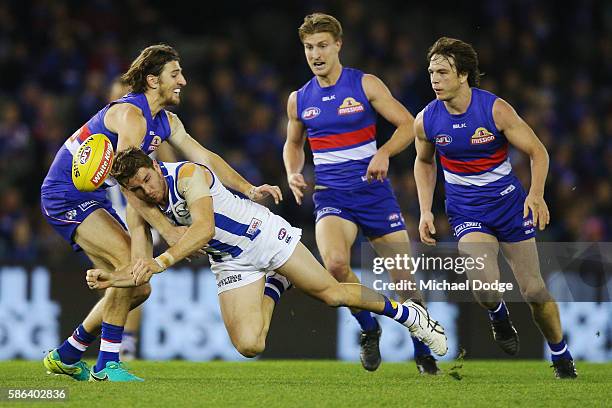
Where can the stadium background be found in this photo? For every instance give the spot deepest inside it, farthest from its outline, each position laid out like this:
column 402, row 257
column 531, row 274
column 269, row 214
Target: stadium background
column 57, row 59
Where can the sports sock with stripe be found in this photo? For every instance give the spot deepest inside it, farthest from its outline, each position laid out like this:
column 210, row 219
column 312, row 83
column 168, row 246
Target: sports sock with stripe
column 110, row 344
column 73, row 347
column 559, row 350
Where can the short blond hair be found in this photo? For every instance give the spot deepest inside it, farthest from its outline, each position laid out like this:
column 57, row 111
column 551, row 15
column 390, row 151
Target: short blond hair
column 320, row 23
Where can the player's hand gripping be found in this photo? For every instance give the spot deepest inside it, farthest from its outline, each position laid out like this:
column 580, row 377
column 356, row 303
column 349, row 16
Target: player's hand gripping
column 265, row 190
column 297, row 186
column 144, row 269
column 427, row 228
column 378, row 167
column 99, row 279
column 539, row 210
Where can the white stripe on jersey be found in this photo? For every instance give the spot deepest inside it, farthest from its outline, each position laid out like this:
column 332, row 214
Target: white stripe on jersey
column 480, row 179
column 341, row 156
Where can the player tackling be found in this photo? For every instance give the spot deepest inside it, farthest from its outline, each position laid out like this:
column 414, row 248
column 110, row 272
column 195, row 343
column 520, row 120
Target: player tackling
column 487, row 207
column 88, row 221
column 244, row 241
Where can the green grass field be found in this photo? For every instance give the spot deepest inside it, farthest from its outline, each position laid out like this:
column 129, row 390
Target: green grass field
column 326, row 383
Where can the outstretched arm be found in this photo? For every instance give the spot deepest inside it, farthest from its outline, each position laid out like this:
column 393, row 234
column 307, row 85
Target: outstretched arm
column 195, row 152
column 392, row 110
column 425, row 177
column 520, row 135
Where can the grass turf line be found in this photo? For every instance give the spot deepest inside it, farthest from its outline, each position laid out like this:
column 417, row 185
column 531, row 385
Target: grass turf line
column 325, row 383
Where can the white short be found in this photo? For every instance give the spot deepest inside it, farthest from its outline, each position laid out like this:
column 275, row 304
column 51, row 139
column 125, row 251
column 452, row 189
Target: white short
column 268, row 252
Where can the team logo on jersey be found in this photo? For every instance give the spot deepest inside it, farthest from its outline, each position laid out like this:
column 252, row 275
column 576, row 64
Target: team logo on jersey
column 282, row 233
column 443, row 140
column 350, row 106
column 155, row 142
column 71, row 214
column 482, row 136
column 311, row 113
column 85, row 155
column 396, row 219
column 253, row 226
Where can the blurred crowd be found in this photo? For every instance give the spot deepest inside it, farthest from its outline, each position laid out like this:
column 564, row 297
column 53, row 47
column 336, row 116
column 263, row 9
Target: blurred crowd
column 241, row 61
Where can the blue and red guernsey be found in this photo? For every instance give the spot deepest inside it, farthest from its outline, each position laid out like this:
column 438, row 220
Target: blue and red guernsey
column 341, row 128
column 472, row 152
column 59, row 178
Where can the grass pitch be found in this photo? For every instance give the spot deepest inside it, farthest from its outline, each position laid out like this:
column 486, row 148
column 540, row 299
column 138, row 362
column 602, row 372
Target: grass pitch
column 325, row 384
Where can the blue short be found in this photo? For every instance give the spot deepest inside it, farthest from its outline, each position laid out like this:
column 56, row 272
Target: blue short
column 502, row 218
column 66, row 211
column 373, row 208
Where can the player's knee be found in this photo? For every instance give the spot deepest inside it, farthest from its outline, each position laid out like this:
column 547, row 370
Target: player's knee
column 140, row 294
column 250, row 346
column 118, row 297
column 536, row 293
column 338, row 266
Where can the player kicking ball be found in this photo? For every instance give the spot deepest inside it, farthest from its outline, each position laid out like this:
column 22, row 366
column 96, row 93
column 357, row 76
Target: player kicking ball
column 254, row 253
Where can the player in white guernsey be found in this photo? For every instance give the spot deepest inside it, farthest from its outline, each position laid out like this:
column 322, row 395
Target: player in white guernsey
column 244, row 241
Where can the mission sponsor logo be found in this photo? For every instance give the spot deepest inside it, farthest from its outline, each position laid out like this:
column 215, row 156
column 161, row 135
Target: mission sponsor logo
column 482, row 136
column 350, row 106
column 311, row 113
column 443, row 140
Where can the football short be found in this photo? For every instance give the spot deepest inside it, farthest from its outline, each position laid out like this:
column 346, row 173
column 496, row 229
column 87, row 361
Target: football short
column 502, row 218
column 268, row 252
column 66, row 211
column 373, row 208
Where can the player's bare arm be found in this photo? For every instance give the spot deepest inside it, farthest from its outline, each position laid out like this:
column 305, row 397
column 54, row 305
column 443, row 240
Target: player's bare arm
column 128, row 122
column 193, row 184
column 520, row 135
column 425, row 177
column 293, row 151
column 393, row 111
column 194, row 151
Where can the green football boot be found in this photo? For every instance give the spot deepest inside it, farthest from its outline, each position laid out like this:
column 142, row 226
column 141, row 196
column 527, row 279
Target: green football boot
column 79, row 370
column 114, row 371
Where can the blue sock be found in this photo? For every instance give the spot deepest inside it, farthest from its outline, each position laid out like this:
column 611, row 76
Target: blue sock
column 366, row 321
column 395, row 311
column 73, row 347
column 498, row 312
column 274, row 288
column 559, row 350
column 110, row 344
column 420, row 348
